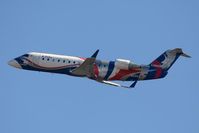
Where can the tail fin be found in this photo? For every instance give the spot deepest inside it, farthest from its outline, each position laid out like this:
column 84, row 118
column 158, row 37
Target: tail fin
column 168, row 58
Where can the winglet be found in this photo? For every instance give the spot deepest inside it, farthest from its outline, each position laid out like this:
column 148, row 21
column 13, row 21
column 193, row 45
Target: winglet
column 133, row 85
column 95, row 54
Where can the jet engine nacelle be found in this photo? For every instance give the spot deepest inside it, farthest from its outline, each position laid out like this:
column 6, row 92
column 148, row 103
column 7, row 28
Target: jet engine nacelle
column 124, row 64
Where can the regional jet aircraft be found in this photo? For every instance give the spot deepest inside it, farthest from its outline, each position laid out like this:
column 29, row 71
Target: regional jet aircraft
column 101, row 71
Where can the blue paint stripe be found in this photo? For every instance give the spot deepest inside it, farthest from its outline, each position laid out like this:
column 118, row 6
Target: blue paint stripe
column 160, row 58
column 151, row 73
column 110, row 69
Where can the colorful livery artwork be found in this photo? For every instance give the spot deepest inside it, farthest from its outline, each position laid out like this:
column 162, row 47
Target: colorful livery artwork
column 101, row 71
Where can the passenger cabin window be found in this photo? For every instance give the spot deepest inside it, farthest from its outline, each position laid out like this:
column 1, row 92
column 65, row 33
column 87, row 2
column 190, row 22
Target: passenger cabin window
column 48, row 59
column 68, row 61
column 58, row 60
column 64, row 61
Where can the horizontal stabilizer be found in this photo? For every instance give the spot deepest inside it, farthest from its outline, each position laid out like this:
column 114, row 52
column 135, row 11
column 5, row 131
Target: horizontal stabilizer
column 185, row 55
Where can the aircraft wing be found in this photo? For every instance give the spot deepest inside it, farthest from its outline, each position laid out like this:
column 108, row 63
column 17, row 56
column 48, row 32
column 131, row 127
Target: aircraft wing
column 86, row 68
column 118, row 85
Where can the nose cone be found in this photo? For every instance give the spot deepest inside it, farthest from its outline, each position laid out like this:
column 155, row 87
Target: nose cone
column 14, row 63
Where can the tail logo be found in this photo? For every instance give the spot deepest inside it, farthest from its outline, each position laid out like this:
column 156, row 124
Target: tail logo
column 164, row 61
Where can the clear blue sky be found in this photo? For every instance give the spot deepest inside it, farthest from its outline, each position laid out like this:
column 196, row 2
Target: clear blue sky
column 139, row 30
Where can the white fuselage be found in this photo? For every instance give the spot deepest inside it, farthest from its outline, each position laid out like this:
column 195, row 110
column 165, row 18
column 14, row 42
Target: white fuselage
column 102, row 71
column 55, row 61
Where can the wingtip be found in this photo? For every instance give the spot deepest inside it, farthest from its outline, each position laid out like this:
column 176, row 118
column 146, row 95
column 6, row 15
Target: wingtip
column 95, row 54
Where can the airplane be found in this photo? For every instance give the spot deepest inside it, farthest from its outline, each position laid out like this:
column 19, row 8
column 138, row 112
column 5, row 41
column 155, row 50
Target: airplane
column 98, row 70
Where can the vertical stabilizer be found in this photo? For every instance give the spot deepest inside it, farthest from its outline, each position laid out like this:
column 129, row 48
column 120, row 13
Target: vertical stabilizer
column 168, row 58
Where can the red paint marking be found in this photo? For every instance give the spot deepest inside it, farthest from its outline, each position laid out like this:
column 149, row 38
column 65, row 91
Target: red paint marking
column 158, row 72
column 96, row 71
column 82, row 58
column 123, row 73
column 156, row 62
